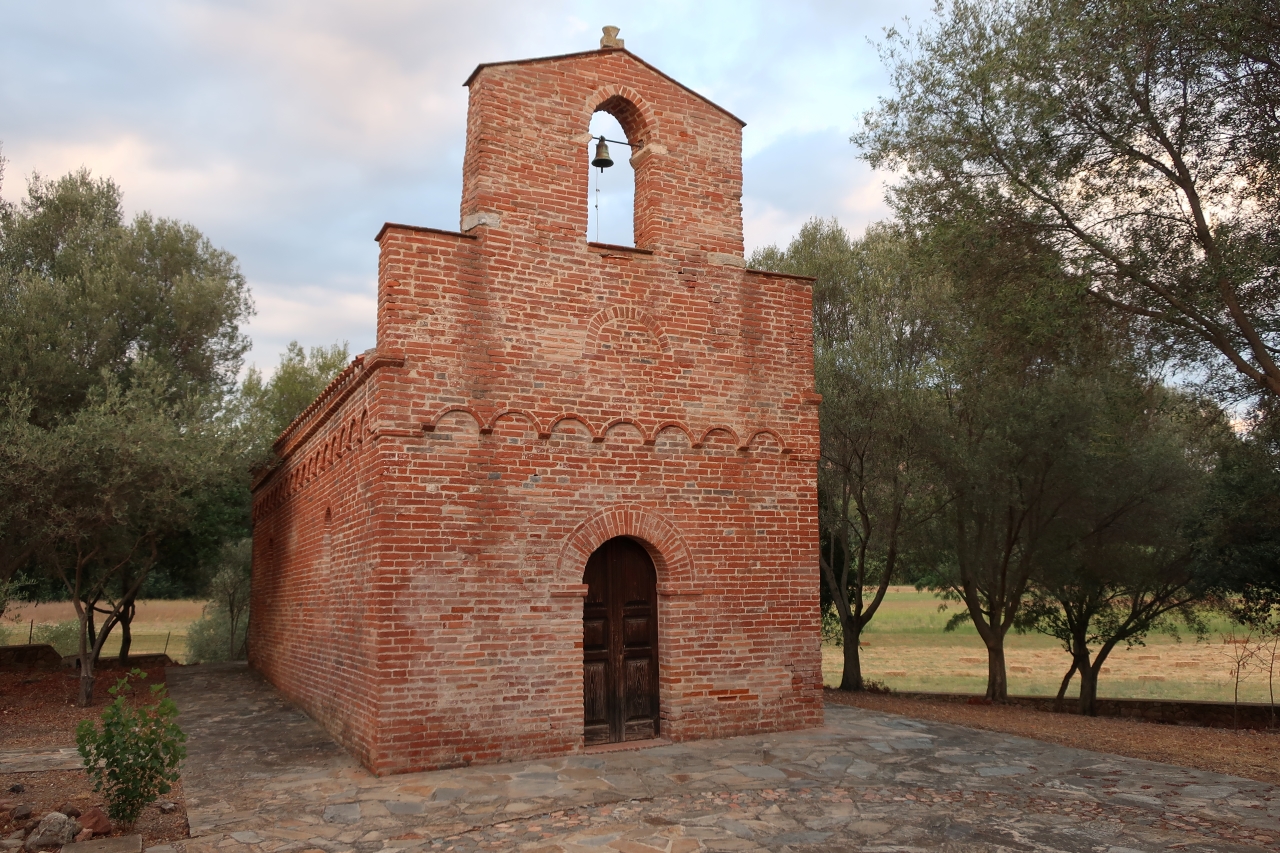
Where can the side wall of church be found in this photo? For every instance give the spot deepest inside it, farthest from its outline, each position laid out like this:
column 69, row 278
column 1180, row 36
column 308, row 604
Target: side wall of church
column 314, row 552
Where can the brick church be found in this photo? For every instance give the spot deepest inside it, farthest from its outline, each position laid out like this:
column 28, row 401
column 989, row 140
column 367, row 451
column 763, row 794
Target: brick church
column 570, row 497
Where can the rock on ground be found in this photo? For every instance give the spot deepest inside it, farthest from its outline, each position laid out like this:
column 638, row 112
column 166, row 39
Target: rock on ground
column 55, row 830
column 96, row 820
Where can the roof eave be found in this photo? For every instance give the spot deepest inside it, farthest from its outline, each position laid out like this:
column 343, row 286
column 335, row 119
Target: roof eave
column 561, row 56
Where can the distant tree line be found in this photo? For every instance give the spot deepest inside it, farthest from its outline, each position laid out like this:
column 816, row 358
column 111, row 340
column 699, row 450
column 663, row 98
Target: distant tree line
column 126, row 434
column 1050, row 389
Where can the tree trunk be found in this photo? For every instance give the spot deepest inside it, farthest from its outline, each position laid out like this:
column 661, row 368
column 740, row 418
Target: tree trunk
column 997, row 680
column 1062, row 690
column 1088, row 691
column 88, row 657
column 231, row 641
column 852, row 677
column 91, row 633
column 126, row 631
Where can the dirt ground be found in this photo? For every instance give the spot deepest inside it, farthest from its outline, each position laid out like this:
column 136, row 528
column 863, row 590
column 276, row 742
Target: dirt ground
column 52, row 789
column 1252, row 755
column 38, row 710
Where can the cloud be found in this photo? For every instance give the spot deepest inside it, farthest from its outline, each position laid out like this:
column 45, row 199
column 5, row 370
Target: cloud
column 802, row 175
column 290, row 131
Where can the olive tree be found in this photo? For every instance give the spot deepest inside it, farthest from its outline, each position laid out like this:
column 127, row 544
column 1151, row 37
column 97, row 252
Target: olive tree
column 119, row 355
column 1129, row 562
column 1137, row 137
column 874, row 327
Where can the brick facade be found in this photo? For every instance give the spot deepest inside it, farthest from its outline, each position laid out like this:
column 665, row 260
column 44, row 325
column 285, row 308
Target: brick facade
column 419, row 551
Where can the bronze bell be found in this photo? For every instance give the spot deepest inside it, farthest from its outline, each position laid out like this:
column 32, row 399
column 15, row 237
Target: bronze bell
column 602, row 160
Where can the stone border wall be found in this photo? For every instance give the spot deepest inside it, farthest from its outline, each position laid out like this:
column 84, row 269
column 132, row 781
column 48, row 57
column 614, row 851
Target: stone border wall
column 1181, row 712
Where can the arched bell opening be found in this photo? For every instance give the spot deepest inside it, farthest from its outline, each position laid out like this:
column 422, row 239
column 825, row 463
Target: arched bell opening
column 611, row 186
column 620, row 644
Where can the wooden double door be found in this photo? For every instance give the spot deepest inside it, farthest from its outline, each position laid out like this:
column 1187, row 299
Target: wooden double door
column 620, row 644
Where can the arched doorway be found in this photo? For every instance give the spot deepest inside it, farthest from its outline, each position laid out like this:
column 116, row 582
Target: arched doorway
column 620, row 644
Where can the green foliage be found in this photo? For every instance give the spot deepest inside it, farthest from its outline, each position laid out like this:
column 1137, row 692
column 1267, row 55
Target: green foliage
column 1136, row 138
column 210, row 638
column 83, row 293
column 875, row 327
column 832, row 630
column 1127, row 564
column 107, row 483
column 269, row 406
column 1238, row 534
column 219, row 633
column 1028, row 384
column 12, row 589
column 120, row 346
column 134, row 756
column 63, row 636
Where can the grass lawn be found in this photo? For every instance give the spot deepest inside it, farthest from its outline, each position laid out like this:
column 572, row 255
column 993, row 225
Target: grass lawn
column 156, row 624
column 907, row 649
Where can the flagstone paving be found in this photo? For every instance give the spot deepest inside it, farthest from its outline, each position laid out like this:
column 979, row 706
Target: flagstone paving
column 36, row 759
column 261, row 777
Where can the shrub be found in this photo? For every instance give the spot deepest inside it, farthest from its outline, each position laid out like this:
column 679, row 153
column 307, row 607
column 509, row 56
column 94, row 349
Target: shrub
column 134, row 757
column 209, row 637
column 63, row 636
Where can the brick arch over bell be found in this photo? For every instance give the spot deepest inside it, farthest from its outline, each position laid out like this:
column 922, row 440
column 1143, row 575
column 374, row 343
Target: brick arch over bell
column 630, row 109
column 670, row 554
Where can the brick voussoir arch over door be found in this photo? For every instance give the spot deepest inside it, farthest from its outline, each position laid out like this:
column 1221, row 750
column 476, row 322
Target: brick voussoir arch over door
column 670, row 554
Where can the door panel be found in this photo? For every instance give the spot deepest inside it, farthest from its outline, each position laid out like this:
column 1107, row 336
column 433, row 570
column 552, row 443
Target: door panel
column 637, row 688
column 595, row 696
column 635, row 631
column 620, row 644
column 597, row 690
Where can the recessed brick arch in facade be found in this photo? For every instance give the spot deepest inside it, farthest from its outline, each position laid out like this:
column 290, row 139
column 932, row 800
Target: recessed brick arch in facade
column 632, row 313
column 437, row 618
column 659, row 536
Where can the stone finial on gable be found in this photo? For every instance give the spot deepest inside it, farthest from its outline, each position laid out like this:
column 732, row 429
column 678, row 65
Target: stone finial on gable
column 610, row 38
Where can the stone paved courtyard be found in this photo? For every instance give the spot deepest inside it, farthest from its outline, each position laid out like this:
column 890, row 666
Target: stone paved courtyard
column 262, row 777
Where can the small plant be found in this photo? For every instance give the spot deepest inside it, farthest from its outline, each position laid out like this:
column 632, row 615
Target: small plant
column 210, row 638
column 1242, row 654
column 134, row 757
column 1268, row 658
column 63, row 636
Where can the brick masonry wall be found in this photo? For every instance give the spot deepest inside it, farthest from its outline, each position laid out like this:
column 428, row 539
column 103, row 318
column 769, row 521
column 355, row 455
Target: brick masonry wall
column 531, row 396
column 314, row 553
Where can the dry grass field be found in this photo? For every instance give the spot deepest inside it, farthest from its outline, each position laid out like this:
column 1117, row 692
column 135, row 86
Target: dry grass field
column 157, row 624
column 907, row 649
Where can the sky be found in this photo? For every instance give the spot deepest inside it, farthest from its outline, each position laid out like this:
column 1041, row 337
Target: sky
column 288, row 132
